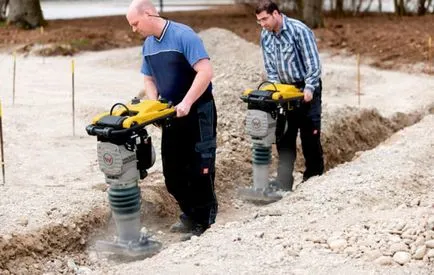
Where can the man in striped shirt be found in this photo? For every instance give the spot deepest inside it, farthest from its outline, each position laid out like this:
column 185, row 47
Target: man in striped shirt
column 291, row 57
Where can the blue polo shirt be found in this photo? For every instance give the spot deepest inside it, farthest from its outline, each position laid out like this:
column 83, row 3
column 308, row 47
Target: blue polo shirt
column 169, row 59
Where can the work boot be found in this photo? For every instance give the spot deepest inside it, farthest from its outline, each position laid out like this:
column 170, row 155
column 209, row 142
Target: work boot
column 306, row 177
column 184, row 225
column 197, row 230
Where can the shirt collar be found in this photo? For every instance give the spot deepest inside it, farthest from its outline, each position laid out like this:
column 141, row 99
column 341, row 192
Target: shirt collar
column 166, row 26
column 283, row 28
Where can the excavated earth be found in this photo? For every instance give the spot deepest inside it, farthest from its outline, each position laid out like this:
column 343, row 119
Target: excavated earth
column 372, row 212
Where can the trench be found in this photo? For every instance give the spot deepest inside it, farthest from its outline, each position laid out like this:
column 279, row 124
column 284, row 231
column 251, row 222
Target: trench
column 28, row 253
column 64, row 248
column 359, row 132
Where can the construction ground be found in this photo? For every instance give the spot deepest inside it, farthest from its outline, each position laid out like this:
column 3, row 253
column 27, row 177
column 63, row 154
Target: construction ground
column 372, row 212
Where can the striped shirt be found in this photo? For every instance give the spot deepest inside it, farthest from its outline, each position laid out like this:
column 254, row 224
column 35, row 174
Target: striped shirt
column 291, row 55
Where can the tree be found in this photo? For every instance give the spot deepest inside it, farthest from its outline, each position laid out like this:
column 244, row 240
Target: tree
column 3, row 6
column 25, row 13
column 400, row 7
column 339, row 7
column 423, row 6
column 299, row 8
column 312, row 13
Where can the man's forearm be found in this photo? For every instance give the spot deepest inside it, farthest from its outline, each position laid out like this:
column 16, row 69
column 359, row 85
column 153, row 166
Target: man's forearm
column 313, row 71
column 200, row 83
column 150, row 89
column 311, row 83
column 198, row 87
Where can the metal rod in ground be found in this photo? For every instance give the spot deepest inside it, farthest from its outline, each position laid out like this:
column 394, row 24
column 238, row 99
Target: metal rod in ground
column 1, row 144
column 429, row 54
column 73, row 98
column 41, row 30
column 358, row 78
column 13, row 78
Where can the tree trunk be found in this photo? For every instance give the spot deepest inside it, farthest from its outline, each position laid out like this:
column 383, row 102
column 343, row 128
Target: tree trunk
column 312, row 13
column 399, row 7
column 359, row 5
column 339, row 7
column 299, row 8
column 421, row 8
column 3, row 6
column 25, row 13
column 353, row 5
column 369, row 6
column 380, row 6
column 403, row 10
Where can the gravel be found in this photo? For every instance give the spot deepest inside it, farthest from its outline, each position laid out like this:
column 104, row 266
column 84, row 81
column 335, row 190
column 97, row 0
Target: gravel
column 373, row 215
column 367, row 211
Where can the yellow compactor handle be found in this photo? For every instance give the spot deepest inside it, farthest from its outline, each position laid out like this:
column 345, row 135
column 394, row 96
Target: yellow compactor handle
column 139, row 113
column 283, row 91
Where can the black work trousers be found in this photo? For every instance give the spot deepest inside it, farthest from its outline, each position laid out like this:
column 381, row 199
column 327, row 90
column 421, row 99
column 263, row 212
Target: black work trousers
column 307, row 119
column 188, row 150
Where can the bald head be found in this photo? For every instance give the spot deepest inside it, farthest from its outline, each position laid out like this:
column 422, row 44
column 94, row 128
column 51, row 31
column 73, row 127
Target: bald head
column 144, row 19
column 139, row 7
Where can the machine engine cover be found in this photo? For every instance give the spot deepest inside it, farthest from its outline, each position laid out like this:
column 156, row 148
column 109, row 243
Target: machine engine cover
column 117, row 163
column 261, row 126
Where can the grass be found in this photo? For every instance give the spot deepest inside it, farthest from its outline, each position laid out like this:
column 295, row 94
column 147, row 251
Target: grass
column 80, row 43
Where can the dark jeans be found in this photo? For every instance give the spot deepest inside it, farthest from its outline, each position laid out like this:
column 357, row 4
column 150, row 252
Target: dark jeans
column 307, row 119
column 188, row 152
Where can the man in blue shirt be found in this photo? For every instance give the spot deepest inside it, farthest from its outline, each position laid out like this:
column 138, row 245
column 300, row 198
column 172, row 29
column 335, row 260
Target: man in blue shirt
column 176, row 68
column 291, row 57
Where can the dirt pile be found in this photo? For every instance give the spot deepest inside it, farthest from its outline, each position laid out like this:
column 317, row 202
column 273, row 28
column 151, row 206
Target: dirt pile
column 346, row 130
column 372, row 215
column 357, row 130
column 312, row 223
column 26, row 253
column 157, row 202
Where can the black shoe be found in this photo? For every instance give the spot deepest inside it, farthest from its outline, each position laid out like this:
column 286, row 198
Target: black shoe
column 197, row 230
column 306, row 177
column 184, row 225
